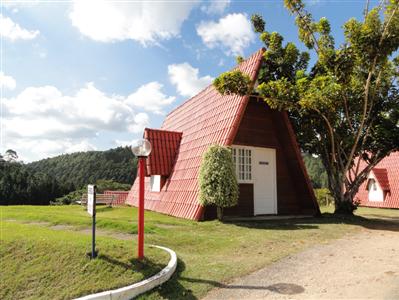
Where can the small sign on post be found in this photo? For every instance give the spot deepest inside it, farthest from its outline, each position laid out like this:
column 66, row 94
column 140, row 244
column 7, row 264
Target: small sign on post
column 91, row 209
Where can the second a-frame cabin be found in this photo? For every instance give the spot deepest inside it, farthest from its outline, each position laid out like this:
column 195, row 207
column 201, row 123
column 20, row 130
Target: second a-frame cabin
column 270, row 171
column 381, row 189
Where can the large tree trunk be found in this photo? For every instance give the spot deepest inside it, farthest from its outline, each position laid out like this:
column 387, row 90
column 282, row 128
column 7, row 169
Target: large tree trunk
column 219, row 211
column 343, row 197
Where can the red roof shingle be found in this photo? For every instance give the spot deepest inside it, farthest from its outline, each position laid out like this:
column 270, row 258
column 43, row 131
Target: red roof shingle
column 165, row 145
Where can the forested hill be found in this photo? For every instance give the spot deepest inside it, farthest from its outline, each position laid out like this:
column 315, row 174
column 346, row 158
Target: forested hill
column 78, row 169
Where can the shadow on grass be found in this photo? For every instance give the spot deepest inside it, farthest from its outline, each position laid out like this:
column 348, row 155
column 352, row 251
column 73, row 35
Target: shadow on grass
column 146, row 266
column 376, row 222
column 172, row 289
column 288, row 224
column 103, row 208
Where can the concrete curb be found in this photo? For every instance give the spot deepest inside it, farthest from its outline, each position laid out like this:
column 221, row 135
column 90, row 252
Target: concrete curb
column 131, row 291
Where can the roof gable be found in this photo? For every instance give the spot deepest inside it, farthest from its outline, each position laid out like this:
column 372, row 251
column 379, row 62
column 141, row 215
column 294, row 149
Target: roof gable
column 381, row 175
column 205, row 119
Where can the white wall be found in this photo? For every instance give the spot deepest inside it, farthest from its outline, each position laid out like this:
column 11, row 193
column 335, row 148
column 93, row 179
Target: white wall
column 376, row 194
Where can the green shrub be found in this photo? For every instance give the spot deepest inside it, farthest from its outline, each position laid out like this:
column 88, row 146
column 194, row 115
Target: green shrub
column 217, row 179
column 323, row 197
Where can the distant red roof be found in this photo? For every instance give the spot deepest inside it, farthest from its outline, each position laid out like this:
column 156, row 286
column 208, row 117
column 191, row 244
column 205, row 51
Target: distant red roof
column 165, row 145
column 381, row 175
column 387, row 176
column 207, row 118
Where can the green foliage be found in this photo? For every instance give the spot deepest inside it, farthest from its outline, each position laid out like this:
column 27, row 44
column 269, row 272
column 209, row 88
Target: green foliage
column 76, row 170
column 239, row 59
column 347, row 105
column 323, row 197
column 18, row 185
column 102, row 185
column 47, row 181
column 233, row 82
column 217, row 178
column 316, row 171
column 69, row 198
column 258, row 23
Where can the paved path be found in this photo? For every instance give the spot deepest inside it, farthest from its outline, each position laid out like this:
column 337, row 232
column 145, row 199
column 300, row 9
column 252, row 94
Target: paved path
column 360, row 266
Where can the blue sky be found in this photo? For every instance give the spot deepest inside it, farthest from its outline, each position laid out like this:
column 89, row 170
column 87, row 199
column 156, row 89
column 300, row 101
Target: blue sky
column 83, row 75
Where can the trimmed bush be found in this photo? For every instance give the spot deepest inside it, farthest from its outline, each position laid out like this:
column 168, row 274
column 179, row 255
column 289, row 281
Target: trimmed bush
column 217, row 179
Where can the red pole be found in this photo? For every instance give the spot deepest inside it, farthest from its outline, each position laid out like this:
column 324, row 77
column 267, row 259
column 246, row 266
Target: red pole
column 141, row 209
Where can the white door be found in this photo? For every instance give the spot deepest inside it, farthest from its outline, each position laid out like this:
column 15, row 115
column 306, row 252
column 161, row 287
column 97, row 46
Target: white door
column 264, row 177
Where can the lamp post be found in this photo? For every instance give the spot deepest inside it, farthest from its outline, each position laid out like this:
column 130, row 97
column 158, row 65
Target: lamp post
column 141, row 150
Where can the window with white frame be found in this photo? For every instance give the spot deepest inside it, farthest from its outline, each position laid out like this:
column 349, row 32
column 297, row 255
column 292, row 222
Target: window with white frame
column 155, row 183
column 242, row 159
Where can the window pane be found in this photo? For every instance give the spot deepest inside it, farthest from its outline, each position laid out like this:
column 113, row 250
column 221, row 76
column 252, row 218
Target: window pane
column 242, row 159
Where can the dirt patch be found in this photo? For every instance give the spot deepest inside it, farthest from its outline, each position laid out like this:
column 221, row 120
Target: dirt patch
column 37, row 223
column 99, row 232
column 166, row 226
column 360, row 266
column 62, row 227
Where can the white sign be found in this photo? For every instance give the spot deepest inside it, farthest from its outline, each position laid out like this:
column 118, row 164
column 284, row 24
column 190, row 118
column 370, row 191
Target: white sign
column 91, row 203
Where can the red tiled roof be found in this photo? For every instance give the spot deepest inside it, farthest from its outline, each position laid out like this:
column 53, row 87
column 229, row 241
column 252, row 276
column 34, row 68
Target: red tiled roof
column 381, row 175
column 387, row 175
column 207, row 118
column 165, row 145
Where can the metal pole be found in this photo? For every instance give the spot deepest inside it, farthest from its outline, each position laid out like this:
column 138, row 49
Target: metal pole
column 141, row 209
column 93, row 242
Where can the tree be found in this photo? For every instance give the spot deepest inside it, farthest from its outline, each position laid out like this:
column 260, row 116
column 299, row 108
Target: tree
column 11, row 155
column 76, row 170
column 217, row 179
column 345, row 109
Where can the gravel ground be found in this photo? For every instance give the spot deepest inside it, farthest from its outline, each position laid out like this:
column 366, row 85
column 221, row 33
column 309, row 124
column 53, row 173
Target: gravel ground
column 360, row 266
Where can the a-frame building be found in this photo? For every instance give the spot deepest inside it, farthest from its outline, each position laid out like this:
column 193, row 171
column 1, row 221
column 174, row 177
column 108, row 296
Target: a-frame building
column 381, row 189
column 270, row 171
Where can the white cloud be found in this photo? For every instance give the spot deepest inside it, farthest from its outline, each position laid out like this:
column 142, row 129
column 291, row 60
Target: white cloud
column 7, row 82
column 232, row 33
column 147, row 22
column 186, row 79
column 150, row 98
column 12, row 31
column 83, row 146
column 11, row 4
column 33, row 149
column 42, row 121
column 215, row 7
column 141, row 121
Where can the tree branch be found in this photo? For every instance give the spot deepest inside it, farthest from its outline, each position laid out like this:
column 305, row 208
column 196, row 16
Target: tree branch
column 366, row 92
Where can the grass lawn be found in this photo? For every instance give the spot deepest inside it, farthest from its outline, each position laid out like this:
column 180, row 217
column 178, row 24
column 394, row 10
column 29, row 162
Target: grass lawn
column 41, row 263
column 210, row 253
